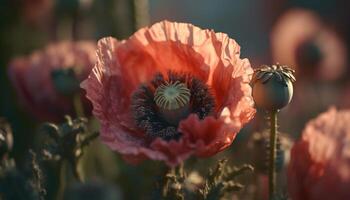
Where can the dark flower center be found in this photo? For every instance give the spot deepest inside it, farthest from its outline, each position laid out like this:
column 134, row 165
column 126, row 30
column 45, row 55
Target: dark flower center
column 158, row 107
column 309, row 56
column 65, row 81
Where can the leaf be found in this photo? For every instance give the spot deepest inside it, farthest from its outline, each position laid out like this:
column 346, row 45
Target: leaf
column 51, row 130
column 239, row 171
column 233, row 186
column 215, row 192
column 217, row 173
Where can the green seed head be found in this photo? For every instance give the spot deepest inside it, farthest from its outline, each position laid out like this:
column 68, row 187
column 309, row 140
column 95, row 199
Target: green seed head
column 172, row 96
column 272, row 86
column 173, row 100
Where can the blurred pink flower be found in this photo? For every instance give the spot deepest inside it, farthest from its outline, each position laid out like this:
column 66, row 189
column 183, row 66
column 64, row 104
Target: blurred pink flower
column 123, row 83
column 33, row 81
column 320, row 162
column 300, row 40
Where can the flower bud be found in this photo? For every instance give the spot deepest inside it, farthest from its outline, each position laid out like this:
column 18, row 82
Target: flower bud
column 272, row 87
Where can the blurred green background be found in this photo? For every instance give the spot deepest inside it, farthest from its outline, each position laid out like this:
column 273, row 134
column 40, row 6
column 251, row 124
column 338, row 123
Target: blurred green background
column 28, row 25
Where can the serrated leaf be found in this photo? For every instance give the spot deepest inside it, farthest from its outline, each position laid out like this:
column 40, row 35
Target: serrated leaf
column 50, row 129
column 215, row 192
column 233, row 187
column 239, row 171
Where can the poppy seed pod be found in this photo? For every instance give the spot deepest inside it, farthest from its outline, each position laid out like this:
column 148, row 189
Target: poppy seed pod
column 272, row 86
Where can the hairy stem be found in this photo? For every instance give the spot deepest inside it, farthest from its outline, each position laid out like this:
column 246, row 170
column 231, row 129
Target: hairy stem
column 272, row 163
column 166, row 181
column 62, row 179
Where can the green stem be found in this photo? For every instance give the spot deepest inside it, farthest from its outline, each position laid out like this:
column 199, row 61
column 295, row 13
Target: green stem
column 62, row 180
column 272, row 163
column 181, row 171
column 166, row 181
column 141, row 13
column 89, row 139
column 76, row 172
column 78, row 106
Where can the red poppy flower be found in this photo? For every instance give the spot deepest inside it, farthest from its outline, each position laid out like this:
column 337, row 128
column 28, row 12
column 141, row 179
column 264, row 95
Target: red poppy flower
column 300, row 40
column 320, row 162
column 34, row 77
column 170, row 91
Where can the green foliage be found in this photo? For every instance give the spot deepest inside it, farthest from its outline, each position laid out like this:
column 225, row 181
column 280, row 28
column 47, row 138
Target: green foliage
column 21, row 184
column 219, row 183
column 66, row 142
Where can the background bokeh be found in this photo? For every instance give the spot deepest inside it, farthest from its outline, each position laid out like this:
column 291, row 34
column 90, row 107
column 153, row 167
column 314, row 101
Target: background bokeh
column 29, row 25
